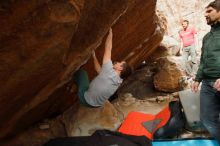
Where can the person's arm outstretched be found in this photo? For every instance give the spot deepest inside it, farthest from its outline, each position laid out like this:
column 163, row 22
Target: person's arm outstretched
column 108, row 47
column 181, row 43
column 96, row 63
column 181, row 46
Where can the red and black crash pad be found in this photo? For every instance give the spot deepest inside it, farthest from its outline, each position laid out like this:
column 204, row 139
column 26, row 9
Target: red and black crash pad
column 137, row 123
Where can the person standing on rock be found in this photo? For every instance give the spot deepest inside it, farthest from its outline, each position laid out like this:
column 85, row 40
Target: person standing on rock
column 109, row 78
column 188, row 47
column 209, row 73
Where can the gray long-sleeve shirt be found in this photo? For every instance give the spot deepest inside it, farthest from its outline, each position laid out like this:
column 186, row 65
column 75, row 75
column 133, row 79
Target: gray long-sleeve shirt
column 103, row 86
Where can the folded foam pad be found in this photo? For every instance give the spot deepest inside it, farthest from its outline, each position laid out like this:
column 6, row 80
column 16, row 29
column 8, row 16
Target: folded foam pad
column 151, row 125
column 139, row 124
column 191, row 107
column 191, row 142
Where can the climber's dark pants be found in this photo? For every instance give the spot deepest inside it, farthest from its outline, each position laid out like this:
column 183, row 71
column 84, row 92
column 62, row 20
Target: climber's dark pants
column 82, row 81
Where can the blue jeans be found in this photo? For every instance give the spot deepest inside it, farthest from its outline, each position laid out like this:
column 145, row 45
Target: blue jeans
column 210, row 108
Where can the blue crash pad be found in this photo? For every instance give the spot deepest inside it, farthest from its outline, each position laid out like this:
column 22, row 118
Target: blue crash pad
column 186, row 142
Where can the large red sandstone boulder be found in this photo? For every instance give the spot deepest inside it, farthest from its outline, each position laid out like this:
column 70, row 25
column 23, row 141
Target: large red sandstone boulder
column 44, row 42
column 170, row 72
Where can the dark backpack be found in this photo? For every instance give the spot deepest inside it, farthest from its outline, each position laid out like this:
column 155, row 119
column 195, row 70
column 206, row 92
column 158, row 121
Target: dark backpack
column 174, row 125
column 101, row 138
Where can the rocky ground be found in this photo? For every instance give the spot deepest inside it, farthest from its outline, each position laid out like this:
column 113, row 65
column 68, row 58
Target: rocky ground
column 87, row 120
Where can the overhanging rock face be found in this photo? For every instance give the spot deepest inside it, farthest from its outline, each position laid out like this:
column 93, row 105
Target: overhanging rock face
column 44, row 42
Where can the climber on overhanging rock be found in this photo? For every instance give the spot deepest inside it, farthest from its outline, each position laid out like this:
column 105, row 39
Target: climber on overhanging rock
column 109, row 78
